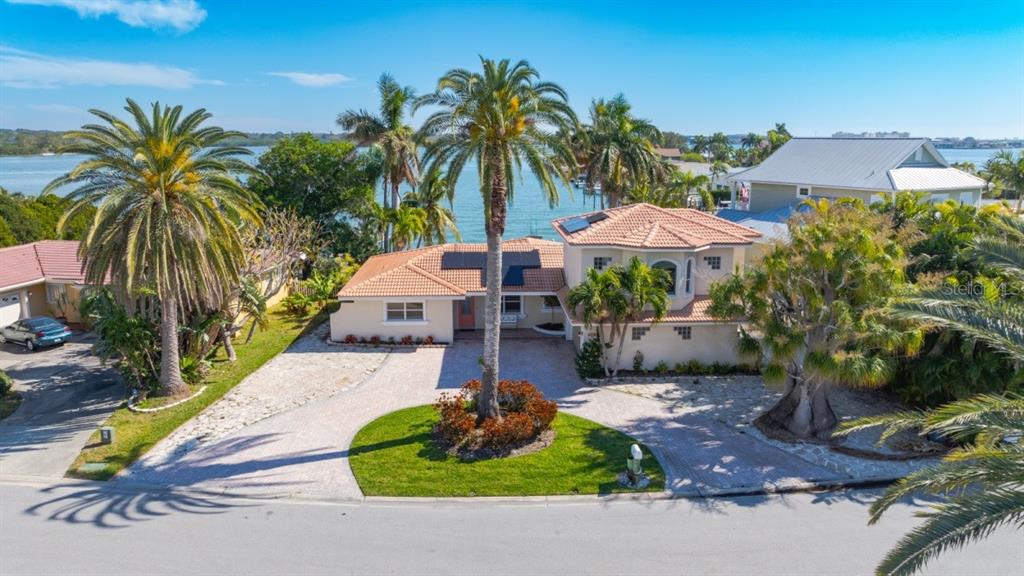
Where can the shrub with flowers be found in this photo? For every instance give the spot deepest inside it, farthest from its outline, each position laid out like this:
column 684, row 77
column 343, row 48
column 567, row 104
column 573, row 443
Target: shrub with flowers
column 525, row 415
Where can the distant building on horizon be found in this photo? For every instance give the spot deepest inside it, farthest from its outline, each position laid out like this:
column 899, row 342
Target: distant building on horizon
column 871, row 135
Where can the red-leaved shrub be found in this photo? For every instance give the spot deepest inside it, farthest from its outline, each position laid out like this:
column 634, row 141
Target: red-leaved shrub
column 428, row 340
column 525, row 415
column 350, row 339
column 406, row 340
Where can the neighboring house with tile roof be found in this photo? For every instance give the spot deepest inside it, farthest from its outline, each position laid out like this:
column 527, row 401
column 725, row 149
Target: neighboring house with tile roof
column 865, row 168
column 41, row 278
column 438, row 291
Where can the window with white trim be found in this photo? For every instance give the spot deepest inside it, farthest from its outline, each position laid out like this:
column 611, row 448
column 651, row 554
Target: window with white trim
column 54, row 292
column 803, row 191
column 688, row 278
column 640, row 331
column 512, row 304
column 685, row 332
column 404, row 311
column 601, row 262
column 713, row 262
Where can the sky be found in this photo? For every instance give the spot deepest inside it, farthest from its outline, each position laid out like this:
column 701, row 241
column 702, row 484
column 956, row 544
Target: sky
column 929, row 68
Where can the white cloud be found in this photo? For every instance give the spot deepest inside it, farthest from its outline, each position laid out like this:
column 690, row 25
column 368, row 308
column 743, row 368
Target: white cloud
column 181, row 15
column 20, row 69
column 311, row 79
column 57, row 108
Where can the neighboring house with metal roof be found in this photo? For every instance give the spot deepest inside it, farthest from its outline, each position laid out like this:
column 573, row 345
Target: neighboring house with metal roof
column 865, row 168
column 41, row 278
column 438, row 291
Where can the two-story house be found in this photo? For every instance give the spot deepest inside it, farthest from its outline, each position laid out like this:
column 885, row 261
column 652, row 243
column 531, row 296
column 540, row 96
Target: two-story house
column 438, row 291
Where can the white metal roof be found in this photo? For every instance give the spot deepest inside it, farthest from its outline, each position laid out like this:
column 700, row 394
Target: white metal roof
column 856, row 163
column 913, row 178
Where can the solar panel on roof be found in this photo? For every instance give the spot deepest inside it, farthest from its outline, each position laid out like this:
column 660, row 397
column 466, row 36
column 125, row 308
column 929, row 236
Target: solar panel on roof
column 513, row 277
column 596, row 217
column 573, row 225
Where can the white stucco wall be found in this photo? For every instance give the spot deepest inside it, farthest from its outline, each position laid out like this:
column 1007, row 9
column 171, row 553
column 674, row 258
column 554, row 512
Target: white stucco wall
column 533, row 312
column 709, row 343
column 365, row 319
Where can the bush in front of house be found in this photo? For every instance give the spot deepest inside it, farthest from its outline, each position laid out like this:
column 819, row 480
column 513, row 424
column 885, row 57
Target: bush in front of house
column 297, row 304
column 638, row 362
column 588, row 360
column 525, row 416
column 6, row 384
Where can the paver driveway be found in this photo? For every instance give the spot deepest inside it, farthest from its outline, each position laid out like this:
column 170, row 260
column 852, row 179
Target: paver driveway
column 303, row 452
column 66, row 394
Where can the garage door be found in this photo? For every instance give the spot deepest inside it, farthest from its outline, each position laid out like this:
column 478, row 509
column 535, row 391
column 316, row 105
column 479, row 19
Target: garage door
column 10, row 308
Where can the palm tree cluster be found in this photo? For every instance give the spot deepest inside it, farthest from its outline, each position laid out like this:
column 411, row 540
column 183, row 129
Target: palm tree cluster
column 983, row 478
column 610, row 300
column 1007, row 171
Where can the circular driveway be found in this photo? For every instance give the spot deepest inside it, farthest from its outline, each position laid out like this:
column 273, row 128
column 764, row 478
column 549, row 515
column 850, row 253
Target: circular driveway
column 302, row 452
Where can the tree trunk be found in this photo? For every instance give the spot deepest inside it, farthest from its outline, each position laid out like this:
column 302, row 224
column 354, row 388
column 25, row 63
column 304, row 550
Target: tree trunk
column 487, row 402
column 170, row 359
column 252, row 330
column 803, row 411
column 227, row 334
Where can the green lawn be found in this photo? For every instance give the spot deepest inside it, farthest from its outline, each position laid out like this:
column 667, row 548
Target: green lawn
column 395, row 456
column 136, row 433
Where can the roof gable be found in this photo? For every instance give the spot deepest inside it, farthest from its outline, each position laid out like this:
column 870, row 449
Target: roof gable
column 38, row 261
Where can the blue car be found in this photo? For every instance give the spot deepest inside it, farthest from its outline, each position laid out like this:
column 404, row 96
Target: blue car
column 36, row 332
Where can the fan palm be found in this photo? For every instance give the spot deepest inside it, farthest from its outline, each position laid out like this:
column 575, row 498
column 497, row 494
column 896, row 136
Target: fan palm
column 168, row 207
column 984, row 479
column 502, row 117
column 619, row 149
column 390, row 134
column 1008, row 171
column 431, row 194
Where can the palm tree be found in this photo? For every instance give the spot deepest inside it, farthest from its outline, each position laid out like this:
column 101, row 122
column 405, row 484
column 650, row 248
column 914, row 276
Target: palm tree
column 645, row 289
column 408, row 224
column 1008, row 171
column 502, row 117
column 619, row 149
column 388, row 131
column 168, row 207
column 430, row 195
column 600, row 301
column 702, row 145
column 751, row 140
column 984, row 478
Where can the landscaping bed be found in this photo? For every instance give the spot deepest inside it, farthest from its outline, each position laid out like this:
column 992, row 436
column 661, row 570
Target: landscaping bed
column 136, row 433
column 396, row 455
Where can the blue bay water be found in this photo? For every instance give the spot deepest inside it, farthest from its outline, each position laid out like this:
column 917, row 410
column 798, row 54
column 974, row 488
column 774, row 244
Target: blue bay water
column 529, row 212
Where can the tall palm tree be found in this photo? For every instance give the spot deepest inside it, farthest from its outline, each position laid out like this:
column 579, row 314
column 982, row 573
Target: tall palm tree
column 388, row 131
column 502, row 117
column 645, row 289
column 1009, row 171
column 984, row 478
column 430, row 195
column 619, row 149
column 168, row 209
column 702, row 145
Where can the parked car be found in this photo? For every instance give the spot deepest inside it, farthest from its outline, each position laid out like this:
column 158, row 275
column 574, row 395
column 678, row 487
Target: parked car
column 36, row 332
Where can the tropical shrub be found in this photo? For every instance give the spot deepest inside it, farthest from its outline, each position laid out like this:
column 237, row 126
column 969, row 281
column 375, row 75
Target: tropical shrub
column 131, row 341
column 661, row 367
column 588, row 360
column 6, row 384
column 351, row 339
column 638, row 361
column 296, row 304
column 375, row 340
column 428, row 340
column 406, row 340
column 525, row 415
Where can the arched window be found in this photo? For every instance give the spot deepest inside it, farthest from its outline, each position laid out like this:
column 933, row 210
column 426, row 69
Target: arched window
column 670, row 268
column 688, row 279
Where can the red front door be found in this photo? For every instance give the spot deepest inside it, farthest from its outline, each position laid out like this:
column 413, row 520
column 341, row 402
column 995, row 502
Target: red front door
column 467, row 314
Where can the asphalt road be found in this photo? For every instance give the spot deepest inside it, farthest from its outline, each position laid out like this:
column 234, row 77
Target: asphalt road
column 87, row 528
column 66, row 395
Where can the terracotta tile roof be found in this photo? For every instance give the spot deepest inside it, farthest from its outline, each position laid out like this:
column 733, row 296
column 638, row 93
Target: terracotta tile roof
column 696, row 312
column 651, row 227
column 455, row 269
column 38, row 261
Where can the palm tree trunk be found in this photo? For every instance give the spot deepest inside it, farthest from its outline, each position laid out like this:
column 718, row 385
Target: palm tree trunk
column 170, row 358
column 487, row 402
column 227, row 334
column 618, row 353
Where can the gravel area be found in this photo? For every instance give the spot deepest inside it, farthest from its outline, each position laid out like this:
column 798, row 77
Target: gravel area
column 309, row 370
column 736, row 401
